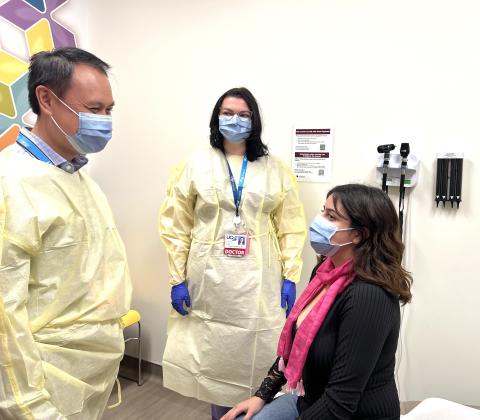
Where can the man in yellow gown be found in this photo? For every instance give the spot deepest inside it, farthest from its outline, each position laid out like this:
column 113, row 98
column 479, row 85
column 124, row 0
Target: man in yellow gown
column 64, row 281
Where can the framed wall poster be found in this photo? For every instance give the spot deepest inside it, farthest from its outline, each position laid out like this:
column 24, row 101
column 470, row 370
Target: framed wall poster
column 312, row 154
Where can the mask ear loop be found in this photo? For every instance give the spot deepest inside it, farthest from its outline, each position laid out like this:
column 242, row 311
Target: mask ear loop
column 58, row 126
column 341, row 230
column 75, row 112
column 360, row 232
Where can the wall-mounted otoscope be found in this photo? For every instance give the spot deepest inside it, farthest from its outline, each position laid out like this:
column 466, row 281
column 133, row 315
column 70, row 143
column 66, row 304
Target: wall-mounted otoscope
column 385, row 149
column 404, row 152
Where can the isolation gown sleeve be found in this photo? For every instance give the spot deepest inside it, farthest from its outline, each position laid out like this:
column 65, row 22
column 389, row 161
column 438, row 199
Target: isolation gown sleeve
column 289, row 222
column 176, row 222
column 22, row 388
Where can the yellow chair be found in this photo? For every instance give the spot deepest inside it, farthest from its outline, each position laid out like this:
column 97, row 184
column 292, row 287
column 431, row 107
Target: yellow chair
column 133, row 317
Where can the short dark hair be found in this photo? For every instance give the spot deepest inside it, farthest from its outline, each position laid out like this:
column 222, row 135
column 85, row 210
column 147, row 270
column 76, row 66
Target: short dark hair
column 378, row 255
column 54, row 69
column 255, row 146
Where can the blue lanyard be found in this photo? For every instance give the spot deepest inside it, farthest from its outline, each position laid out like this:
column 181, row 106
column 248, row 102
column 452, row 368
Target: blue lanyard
column 237, row 193
column 32, row 148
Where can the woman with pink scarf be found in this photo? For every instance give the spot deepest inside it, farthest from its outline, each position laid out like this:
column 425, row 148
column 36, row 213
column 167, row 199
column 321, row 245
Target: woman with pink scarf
column 336, row 353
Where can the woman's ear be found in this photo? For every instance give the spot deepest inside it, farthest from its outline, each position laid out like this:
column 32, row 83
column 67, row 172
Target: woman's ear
column 358, row 236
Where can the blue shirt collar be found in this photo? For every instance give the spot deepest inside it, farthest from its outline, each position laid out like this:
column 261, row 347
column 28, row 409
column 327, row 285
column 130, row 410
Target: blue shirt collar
column 68, row 166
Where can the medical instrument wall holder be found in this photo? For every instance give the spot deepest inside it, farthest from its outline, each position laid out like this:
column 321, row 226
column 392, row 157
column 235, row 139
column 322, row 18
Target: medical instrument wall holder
column 394, row 170
column 449, row 178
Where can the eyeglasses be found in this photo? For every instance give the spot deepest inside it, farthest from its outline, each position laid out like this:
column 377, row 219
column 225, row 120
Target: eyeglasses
column 228, row 114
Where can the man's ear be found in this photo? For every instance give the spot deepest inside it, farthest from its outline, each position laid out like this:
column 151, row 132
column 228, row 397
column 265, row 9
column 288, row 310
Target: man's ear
column 44, row 98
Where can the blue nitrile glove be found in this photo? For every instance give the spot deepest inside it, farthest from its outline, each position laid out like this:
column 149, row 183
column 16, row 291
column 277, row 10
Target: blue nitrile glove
column 179, row 295
column 289, row 294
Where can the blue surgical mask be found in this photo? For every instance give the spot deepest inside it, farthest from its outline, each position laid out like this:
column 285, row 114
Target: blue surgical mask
column 93, row 134
column 235, row 129
column 321, row 233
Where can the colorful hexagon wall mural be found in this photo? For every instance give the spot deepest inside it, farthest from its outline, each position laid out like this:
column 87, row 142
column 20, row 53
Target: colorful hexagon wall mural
column 41, row 32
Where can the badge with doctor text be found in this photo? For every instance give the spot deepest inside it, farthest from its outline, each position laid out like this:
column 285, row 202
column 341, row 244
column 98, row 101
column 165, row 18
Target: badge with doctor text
column 236, row 245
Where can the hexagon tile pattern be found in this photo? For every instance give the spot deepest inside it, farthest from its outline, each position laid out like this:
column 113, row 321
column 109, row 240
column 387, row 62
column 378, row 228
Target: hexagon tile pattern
column 42, row 33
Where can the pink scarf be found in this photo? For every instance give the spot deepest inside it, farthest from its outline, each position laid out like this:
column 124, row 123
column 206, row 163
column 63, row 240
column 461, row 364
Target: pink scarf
column 295, row 351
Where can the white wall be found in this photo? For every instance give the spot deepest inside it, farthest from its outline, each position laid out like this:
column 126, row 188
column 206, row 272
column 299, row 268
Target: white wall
column 379, row 71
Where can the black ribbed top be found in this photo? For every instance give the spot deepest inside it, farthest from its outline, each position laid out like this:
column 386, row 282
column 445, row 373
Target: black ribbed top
column 349, row 371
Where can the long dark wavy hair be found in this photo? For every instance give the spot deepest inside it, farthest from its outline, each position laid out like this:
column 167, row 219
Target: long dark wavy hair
column 378, row 255
column 255, row 146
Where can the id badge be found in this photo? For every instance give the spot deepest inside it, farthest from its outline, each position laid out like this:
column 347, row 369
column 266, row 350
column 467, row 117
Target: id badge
column 236, row 245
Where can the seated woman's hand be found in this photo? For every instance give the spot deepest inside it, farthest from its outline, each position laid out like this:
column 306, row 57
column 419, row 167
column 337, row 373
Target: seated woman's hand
column 251, row 407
